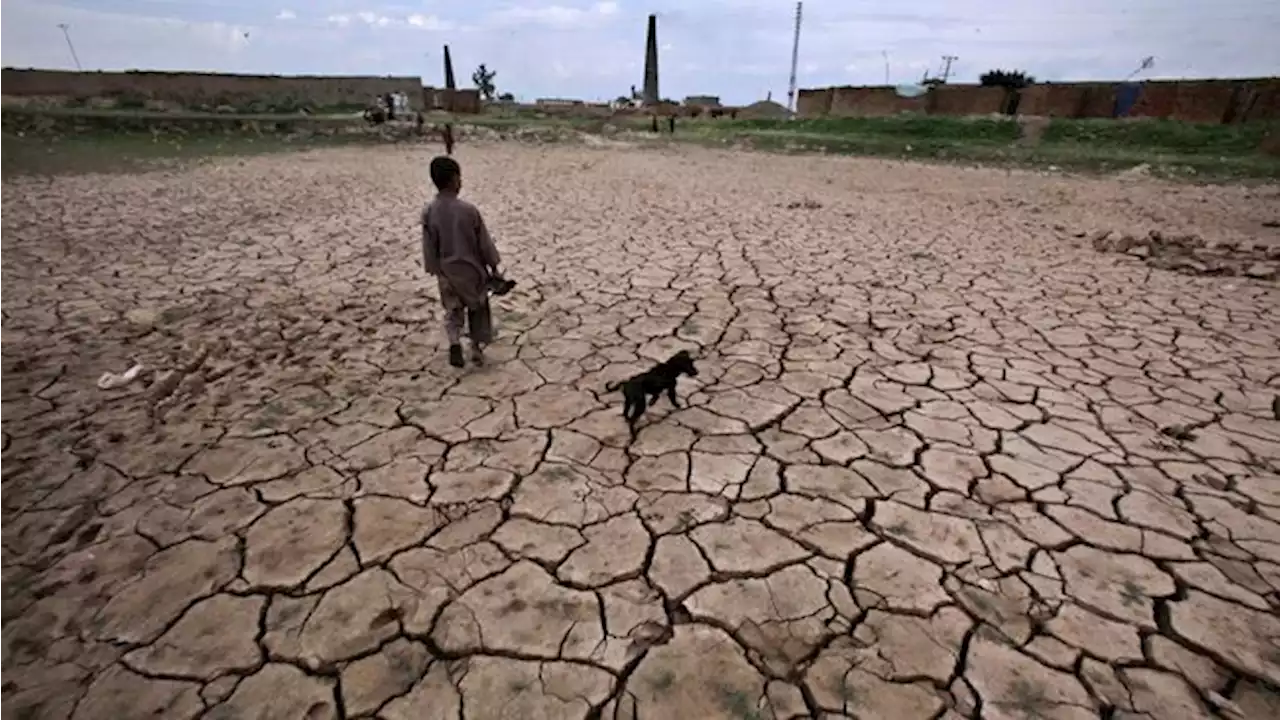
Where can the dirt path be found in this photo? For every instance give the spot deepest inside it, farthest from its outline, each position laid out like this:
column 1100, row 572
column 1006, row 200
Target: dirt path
column 943, row 459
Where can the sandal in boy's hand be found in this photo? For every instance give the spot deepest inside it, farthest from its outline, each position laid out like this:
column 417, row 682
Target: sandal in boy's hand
column 499, row 285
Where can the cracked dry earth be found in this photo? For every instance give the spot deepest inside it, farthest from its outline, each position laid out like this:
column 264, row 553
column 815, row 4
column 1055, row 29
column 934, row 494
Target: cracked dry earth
column 943, row 460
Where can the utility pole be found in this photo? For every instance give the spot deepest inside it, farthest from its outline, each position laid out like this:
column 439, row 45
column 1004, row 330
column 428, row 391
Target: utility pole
column 946, row 67
column 795, row 58
column 66, row 33
column 885, row 55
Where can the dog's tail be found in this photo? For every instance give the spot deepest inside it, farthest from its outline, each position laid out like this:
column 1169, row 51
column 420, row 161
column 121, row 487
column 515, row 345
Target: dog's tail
column 610, row 387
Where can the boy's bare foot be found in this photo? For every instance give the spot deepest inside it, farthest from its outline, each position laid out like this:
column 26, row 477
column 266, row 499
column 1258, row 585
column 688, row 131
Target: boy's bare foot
column 477, row 355
column 455, row 356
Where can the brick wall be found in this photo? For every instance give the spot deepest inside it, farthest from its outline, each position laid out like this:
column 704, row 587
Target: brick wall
column 872, row 102
column 1260, row 100
column 461, row 101
column 208, row 89
column 1204, row 101
column 1071, row 100
column 814, row 103
column 965, row 100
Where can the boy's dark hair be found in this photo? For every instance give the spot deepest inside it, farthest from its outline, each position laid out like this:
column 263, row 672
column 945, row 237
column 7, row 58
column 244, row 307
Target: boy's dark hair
column 443, row 171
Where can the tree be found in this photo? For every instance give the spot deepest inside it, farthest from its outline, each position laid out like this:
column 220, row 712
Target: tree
column 483, row 79
column 1007, row 79
column 506, row 97
column 1012, row 81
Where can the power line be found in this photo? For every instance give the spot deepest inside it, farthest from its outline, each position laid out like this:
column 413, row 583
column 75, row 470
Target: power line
column 795, row 58
column 66, row 33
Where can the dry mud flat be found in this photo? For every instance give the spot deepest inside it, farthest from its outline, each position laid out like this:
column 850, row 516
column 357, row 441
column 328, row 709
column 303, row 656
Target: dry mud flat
column 944, row 459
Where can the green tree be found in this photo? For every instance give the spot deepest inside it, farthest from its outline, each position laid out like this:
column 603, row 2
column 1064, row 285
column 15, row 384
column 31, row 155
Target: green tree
column 1008, row 79
column 483, row 79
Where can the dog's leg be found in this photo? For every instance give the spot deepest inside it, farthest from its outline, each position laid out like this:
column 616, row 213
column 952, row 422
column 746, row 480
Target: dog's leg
column 671, row 395
column 637, row 409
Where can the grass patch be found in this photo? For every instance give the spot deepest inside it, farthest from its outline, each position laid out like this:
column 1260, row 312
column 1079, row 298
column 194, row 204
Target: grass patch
column 1161, row 136
column 922, row 127
column 1172, row 149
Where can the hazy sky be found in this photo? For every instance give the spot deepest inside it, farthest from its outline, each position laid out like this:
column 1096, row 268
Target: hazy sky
column 593, row 49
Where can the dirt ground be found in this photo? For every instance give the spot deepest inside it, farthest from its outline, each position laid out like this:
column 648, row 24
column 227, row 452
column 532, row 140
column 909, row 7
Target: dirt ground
column 943, row 458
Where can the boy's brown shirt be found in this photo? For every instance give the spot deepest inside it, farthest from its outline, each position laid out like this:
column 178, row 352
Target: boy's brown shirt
column 457, row 249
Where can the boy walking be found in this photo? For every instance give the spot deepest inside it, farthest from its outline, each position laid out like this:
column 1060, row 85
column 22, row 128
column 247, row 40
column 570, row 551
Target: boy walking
column 457, row 249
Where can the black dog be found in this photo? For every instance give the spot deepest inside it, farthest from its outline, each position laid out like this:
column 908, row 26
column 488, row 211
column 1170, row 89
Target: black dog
column 641, row 391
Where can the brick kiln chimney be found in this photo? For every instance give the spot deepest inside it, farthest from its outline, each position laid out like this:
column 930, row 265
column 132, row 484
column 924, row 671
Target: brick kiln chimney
column 651, row 63
column 448, row 71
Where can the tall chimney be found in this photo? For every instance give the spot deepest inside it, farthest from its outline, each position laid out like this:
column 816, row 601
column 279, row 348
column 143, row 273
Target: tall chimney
column 651, row 63
column 448, row 71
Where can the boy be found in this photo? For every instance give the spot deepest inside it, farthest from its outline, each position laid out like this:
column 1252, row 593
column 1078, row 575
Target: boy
column 457, row 249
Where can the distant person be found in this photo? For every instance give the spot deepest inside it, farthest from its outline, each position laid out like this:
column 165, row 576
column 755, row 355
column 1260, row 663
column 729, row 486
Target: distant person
column 457, row 250
column 671, row 124
column 390, row 101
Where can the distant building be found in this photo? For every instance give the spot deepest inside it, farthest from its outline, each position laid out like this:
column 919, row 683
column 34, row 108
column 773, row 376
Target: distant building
column 557, row 102
column 704, row 101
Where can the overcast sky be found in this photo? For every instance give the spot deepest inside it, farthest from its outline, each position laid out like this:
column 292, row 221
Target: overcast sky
column 594, row 49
